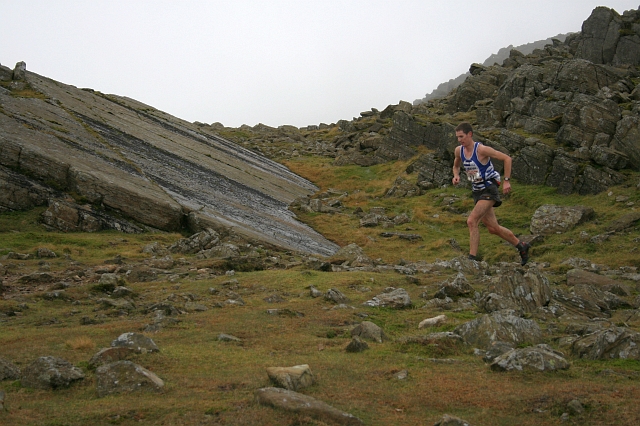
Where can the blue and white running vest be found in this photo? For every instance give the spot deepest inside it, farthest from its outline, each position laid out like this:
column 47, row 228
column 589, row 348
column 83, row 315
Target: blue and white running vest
column 480, row 175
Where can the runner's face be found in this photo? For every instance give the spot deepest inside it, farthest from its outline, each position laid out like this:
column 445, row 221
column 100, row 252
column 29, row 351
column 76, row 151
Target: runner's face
column 464, row 138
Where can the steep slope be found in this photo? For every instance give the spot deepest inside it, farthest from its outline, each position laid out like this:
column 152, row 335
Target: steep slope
column 144, row 164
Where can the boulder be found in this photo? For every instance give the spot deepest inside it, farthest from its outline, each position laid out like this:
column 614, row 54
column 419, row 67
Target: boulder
column 551, row 219
column 126, row 377
column 203, row 240
column 528, row 290
column 109, row 355
column 291, row 378
column 8, row 370
column 458, row 287
column 396, row 298
column 534, row 358
column 499, row 326
column 136, row 341
column 604, row 283
column 335, row 296
column 304, row 405
column 432, row 322
column 357, row 345
column 610, row 343
column 370, row 331
column 577, row 305
column 448, row 420
column 20, row 70
column 352, row 255
column 49, row 372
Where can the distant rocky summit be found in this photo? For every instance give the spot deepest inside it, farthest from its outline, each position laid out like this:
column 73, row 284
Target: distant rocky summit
column 568, row 114
column 109, row 162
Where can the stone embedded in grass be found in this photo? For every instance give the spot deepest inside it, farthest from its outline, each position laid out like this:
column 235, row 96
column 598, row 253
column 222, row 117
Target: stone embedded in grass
column 335, row 296
column 305, row 405
column 314, row 292
column 8, row 370
column 534, row 358
column 432, row 322
column 357, row 345
column 228, row 338
column 291, row 378
column 370, row 331
column 395, row 298
column 109, row 355
column 49, row 372
column 448, row 420
column 136, row 341
column 37, row 278
column 499, row 326
column 126, row 377
column 43, row 252
column 458, row 287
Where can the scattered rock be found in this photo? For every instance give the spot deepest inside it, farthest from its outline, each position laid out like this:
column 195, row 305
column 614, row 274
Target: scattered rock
column 432, row 322
column 551, row 219
column 335, row 296
column 228, row 338
column 448, row 420
column 396, row 298
column 49, row 372
column 136, row 341
column 8, row 370
column 357, row 345
column 305, row 405
column 534, row 358
column 499, row 326
column 610, row 343
column 291, row 378
column 109, row 355
column 125, row 377
column 370, row 331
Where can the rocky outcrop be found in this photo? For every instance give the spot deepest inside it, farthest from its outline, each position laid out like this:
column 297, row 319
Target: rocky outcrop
column 126, row 158
column 499, row 326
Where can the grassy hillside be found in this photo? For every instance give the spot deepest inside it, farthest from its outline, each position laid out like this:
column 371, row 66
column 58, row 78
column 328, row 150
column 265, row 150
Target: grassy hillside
column 212, row 382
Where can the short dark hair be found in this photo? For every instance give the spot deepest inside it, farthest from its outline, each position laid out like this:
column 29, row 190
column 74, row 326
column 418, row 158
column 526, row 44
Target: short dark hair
column 464, row 127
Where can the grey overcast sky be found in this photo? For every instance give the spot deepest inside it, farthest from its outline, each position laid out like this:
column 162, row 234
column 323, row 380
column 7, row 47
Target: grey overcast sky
column 275, row 62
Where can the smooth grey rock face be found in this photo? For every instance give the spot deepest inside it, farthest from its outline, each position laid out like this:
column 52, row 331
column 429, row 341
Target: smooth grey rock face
column 147, row 165
column 126, row 377
column 49, row 372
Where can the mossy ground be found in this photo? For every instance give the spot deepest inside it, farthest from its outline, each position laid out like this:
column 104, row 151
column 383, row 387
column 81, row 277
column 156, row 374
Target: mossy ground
column 212, row 382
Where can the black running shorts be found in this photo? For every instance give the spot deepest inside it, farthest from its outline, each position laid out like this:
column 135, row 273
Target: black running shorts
column 489, row 193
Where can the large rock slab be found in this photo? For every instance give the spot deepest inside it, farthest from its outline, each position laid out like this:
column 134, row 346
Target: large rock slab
column 551, row 219
column 148, row 166
column 370, row 331
column 126, row 377
column 49, row 372
column 396, row 298
column 303, row 404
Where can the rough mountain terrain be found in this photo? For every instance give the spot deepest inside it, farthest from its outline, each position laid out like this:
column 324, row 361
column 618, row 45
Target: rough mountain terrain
column 214, row 329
